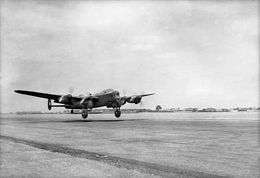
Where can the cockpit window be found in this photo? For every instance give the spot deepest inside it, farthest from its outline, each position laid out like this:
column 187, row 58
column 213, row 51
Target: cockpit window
column 105, row 92
column 108, row 90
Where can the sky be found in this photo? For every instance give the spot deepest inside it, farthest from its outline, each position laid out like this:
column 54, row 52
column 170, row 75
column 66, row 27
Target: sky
column 190, row 53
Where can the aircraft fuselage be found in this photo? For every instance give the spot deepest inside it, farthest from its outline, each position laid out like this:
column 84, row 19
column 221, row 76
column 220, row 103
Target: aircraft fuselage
column 105, row 98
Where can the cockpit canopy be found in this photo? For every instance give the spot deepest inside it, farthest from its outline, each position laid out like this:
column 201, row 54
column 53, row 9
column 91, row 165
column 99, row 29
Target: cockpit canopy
column 107, row 91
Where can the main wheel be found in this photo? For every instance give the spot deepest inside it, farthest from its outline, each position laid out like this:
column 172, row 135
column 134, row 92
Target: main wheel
column 84, row 113
column 117, row 113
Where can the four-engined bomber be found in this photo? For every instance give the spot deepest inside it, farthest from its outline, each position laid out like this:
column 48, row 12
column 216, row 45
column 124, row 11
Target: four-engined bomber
column 109, row 98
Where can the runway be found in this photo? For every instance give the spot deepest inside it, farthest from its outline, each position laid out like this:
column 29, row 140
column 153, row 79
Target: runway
column 136, row 145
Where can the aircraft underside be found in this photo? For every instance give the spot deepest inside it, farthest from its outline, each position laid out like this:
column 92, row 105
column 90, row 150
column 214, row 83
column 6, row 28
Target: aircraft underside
column 84, row 111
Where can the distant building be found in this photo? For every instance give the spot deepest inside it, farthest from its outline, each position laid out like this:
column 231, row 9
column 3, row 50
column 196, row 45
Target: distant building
column 224, row 110
column 175, row 109
column 242, row 109
column 191, row 109
column 208, row 110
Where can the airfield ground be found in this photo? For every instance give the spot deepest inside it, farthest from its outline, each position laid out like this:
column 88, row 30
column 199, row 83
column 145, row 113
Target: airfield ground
column 136, row 145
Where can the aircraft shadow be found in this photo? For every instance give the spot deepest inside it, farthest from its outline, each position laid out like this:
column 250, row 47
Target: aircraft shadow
column 67, row 121
column 79, row 121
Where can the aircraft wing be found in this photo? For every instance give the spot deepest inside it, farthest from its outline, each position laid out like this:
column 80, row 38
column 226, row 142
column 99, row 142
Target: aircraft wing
column 134, row 98
column 140, row 95
column 53, row 96
column 146, row 94
column 38, row 94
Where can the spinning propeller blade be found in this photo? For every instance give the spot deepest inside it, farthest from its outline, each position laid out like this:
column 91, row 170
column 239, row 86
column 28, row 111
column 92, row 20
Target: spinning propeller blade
column 71, row 90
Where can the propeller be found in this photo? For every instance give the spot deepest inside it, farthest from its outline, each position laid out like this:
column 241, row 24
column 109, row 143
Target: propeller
column 71, row 90
column 124, row 97
column 142, row 101
column 86, row 95
column 124, row 92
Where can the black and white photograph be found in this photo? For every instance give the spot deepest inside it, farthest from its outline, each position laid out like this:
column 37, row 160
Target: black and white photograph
column 122, row 89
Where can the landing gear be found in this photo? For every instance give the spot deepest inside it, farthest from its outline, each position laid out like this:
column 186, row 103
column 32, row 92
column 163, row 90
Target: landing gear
column 84, row 113
column 71, row 111
column 49, row 104
column 117, row 113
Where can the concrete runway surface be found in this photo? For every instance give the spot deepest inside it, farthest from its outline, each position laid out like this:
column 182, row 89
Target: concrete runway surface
column 136, row 145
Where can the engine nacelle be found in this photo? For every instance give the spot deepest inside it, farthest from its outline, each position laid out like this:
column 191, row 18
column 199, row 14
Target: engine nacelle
column 87, row 103
column 65, row 99
column 90, row 104
column 135, row 99
column 49, row 104
column 121, row 101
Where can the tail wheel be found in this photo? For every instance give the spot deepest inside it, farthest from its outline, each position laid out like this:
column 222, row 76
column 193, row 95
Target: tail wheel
column 117, row 113
column 84, row 113
column 49, row 104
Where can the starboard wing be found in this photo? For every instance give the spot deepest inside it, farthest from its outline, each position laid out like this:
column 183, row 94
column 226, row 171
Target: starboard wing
column 53, row 96
column 38, row 94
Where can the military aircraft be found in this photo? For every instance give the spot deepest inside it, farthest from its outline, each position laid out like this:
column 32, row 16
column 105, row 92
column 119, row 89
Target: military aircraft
column 109, row 98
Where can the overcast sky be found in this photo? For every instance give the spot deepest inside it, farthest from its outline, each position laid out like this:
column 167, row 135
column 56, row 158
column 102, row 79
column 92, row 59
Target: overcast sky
column 191, row 53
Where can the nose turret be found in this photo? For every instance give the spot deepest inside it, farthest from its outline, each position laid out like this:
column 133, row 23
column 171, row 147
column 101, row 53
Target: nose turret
column 117, row 93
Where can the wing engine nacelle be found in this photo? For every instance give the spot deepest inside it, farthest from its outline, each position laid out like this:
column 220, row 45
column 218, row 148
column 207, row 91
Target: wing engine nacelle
column 65, row 99
column 49, row 104
column 134, row 99
column 87, row 103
